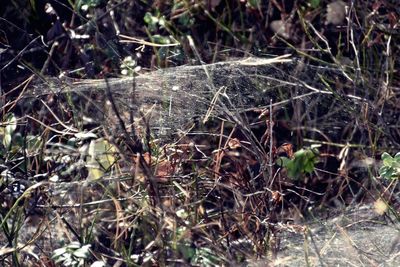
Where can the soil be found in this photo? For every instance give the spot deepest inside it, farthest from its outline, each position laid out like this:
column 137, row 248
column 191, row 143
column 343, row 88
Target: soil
column 357, row 237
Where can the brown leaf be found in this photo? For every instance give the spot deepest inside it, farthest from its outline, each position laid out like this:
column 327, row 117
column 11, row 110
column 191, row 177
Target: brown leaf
column 276, row 196
column 234, row 143
column 286, row 148
column 164, row 169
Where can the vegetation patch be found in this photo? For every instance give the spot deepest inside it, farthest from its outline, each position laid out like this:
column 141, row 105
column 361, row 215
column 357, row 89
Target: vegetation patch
column 202, row 133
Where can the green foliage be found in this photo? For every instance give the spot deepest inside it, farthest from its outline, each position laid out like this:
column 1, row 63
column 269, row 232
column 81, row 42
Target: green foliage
column 391, row 166
column 7, row 132
column 14, row 143
column 254, row 3
column 154, row 21
column 73, row 254
column 303, row 162
column 128, row 66
column 314, row 3
column 176, row 227
column 204, row 256
column 197, row 256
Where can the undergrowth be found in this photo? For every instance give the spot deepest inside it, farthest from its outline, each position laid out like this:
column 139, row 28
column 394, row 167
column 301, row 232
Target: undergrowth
column 102, row 191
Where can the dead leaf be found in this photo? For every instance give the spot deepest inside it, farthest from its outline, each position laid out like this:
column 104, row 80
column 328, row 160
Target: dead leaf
column 234, row 143
column 336, row 13
column 380, row 207
column 286, row 148
column 276, row 196
column 164, row 169
column 280, row 28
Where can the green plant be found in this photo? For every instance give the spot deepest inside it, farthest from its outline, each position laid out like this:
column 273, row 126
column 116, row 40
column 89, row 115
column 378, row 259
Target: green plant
column 391, row 166
column 129, row 66
column 314, row 3
column 205, row 257
column 303, row 161
column 7, row 131
column 73, row 254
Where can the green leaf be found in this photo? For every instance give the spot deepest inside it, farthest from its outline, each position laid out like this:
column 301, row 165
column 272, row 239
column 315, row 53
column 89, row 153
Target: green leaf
column 299, row 153
column 68, row 261
column 186, row 20
column 11, row 123
column 385, row 171
column 11, row 126
column 314, row 3
column 161, row 39
column 254, row 3
column 33, row 143
column 386, row 158
column 391, row 166
column 61, row 259
column 82, row 252
column 74, row 245
column 98, row 264
column 151, row 21
column 309, row 168
column 186, row 250
column 283, row 161
column 58, row 252
column 7, row 140
column 303, row 162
